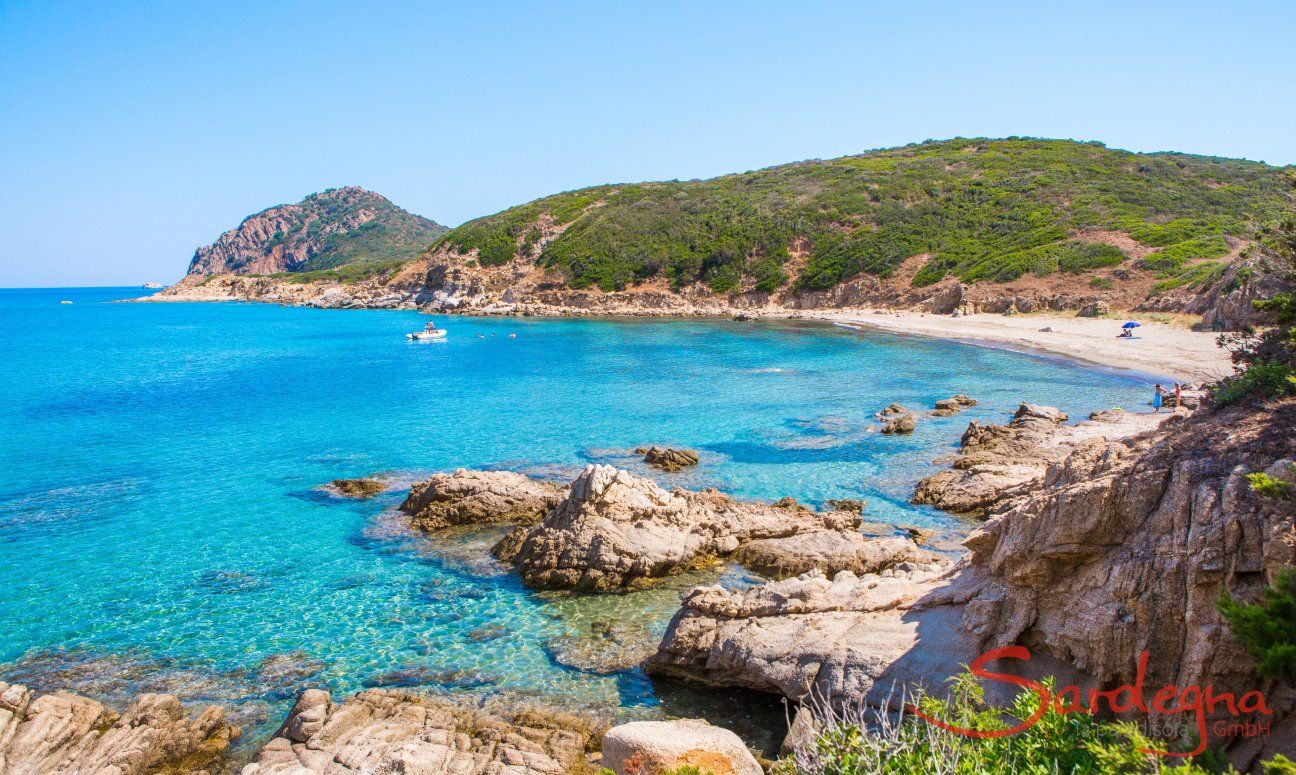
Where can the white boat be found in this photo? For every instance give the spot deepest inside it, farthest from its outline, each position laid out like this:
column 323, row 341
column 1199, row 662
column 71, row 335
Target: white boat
column 430, row 333
column 65, row 301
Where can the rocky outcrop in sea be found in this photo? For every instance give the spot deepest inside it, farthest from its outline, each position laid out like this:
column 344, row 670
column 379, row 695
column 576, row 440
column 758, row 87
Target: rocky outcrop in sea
column 61, row 732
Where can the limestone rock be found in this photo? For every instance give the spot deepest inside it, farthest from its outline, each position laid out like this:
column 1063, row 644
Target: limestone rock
column 479, row 497
column 652, row 747
column 616, row 529
column 66, row 733
column 668, row 459
column 390, row 731
column 830, row 552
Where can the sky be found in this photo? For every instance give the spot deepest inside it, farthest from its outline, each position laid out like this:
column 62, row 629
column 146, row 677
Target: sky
column 132, row 132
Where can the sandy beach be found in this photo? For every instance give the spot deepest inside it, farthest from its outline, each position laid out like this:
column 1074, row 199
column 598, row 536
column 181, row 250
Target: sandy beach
column 1172, row 352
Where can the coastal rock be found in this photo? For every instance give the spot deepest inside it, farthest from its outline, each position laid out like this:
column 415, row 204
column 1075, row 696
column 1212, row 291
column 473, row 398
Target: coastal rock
column 652, row 747
column 479, row 498
column 947, row 407
column 1094, row 309
column 668, row 459
column 839, row 641
column 616, row 529
column 999, row 462
column 830, row 552
column 905, row 423
column 64, row 732
column 391, row 731
column 1128, row 546
column 358, row 488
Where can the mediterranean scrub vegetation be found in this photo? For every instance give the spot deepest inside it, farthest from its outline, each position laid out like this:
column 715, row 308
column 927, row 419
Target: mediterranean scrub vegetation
column 978, row 209
column 1268, row 627
column 1075, row 743
column 1265, row 362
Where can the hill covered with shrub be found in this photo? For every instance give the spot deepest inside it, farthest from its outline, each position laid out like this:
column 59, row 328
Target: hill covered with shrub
column 978, row 209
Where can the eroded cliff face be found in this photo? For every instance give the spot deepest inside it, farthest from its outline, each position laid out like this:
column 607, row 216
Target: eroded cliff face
column 324, row 230
column 1127, row 547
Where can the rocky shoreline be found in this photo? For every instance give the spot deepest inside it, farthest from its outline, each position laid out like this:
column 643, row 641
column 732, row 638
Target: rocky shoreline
column 1091, row 533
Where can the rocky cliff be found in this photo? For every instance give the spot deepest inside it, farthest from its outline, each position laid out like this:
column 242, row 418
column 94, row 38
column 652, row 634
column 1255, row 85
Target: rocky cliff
column 1122, row 546
column 331, row 229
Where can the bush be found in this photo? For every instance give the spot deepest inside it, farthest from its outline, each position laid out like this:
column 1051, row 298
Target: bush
column 1260, row 380
column 1064, row 743
column 1269, row 487
column 1267, row 628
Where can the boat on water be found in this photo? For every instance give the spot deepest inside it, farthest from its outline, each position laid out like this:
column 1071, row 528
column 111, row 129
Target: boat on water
column 430, row 333
column 65, row 301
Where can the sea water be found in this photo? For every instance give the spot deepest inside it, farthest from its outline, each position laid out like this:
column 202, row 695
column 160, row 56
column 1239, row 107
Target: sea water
column 163, row 526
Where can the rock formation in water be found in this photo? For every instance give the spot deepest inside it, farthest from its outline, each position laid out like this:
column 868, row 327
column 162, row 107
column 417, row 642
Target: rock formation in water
column 62, row 732
column 616, row 529
column 386, row 731
column 479, row 498
column 331, row 229
column 999, row 462
column 948, row 407
column 668, row 459
column 1120, row 546
column 366, row 487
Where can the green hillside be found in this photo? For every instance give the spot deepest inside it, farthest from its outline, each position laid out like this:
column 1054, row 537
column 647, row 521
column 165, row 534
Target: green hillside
column 984, row 209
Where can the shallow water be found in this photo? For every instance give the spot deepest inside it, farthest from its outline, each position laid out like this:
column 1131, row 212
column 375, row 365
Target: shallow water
column 161, row 523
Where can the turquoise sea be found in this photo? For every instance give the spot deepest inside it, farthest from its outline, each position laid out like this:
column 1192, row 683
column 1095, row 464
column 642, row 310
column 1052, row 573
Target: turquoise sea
column 162, row 525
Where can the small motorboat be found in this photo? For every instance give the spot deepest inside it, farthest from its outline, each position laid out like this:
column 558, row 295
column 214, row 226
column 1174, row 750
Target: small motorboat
column 430, row 333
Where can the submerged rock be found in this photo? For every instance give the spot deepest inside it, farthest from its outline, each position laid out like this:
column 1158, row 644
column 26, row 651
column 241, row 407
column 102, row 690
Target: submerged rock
column 652, row 747
column 479, row 498
column 64, row 732
column 668, row 459
column 616, row 529
column 608, row 647
column 391, row 731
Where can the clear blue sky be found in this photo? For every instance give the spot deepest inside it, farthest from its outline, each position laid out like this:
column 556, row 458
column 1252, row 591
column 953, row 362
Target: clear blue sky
column 132, row 132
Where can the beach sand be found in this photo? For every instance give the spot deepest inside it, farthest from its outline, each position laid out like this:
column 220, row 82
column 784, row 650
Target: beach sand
column 1172, row 352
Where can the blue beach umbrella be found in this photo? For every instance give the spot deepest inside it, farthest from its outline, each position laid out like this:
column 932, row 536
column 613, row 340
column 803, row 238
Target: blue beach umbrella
column 1131, row 324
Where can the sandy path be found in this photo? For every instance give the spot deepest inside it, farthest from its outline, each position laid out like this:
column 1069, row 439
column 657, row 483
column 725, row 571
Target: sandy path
column 1170, row 352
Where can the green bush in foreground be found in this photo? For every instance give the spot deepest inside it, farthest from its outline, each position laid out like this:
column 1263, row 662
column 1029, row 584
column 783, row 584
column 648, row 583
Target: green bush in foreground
column 1267, row 628
column 1061, row 744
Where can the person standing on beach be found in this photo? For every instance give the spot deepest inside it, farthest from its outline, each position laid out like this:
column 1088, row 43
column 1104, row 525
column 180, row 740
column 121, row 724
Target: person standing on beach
column 1156, row 399
column 1178, row 394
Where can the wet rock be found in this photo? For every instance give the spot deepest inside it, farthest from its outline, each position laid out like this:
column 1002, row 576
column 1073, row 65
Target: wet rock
column 366, row 487
column 391, row 731
column 608, row 647
column 830, row 552
column 668, row 459
column 479, row 498
column 286, row 675
column 64, row 732
column 652, row 747
column 616, row 529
